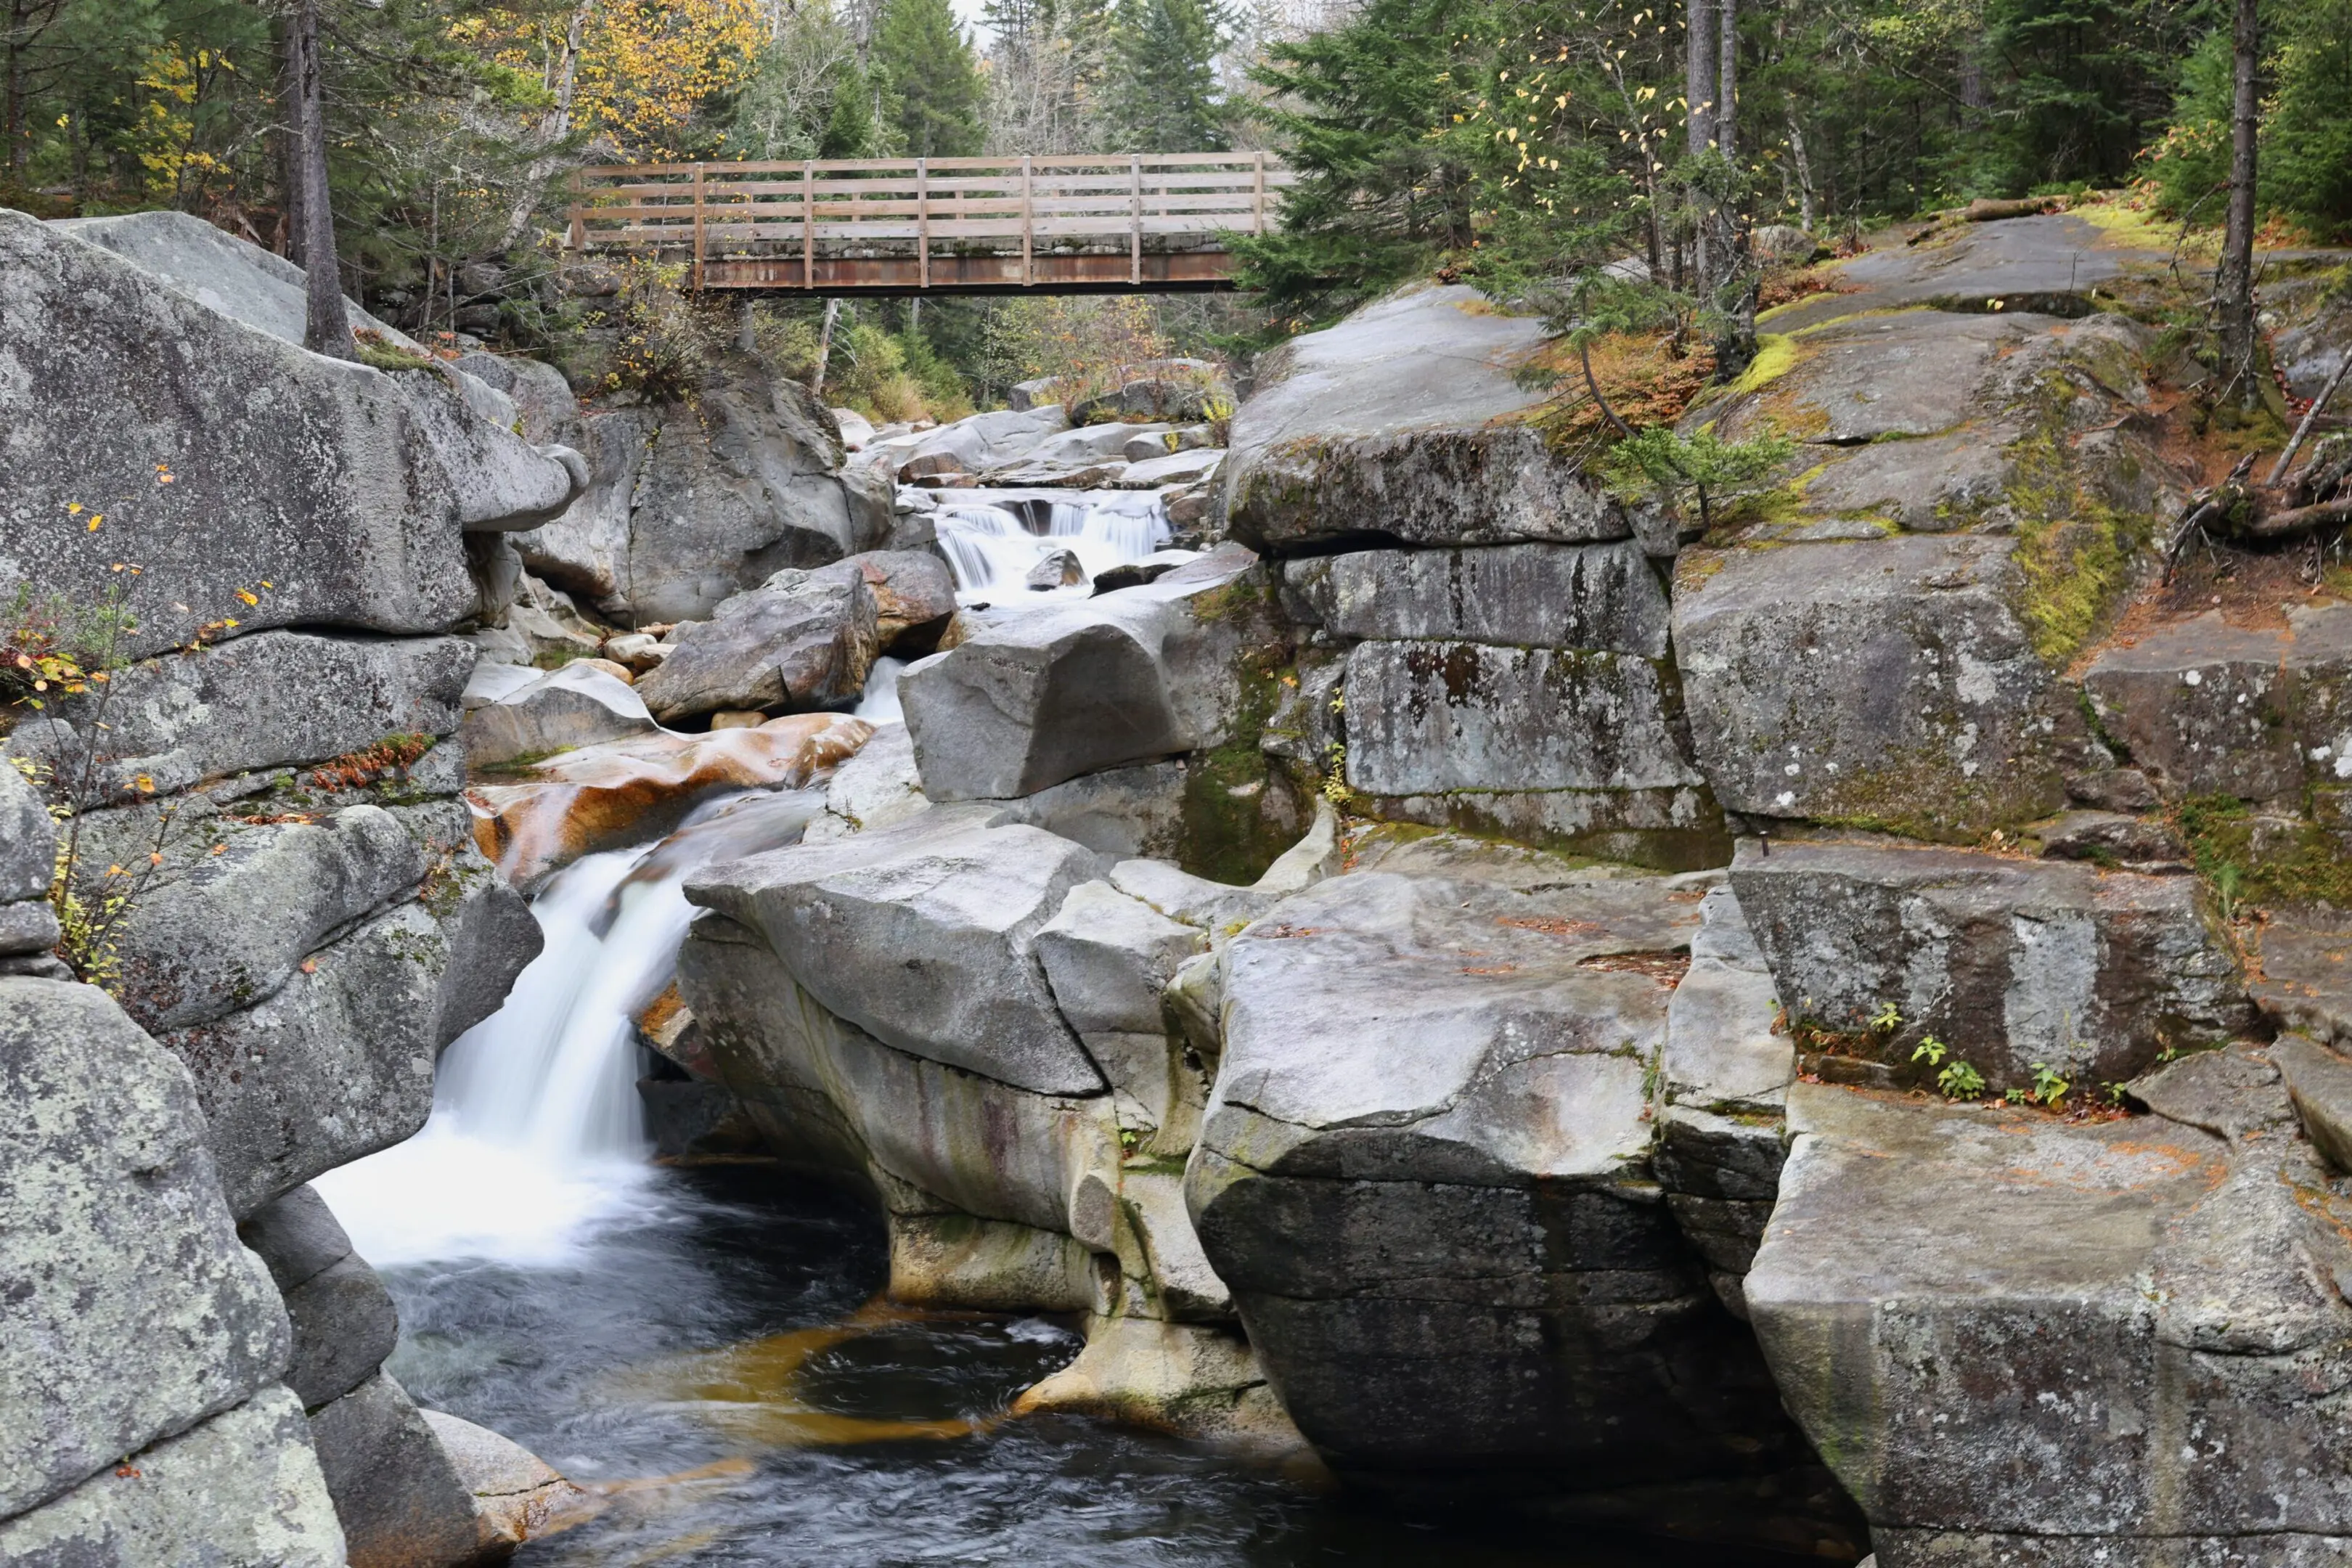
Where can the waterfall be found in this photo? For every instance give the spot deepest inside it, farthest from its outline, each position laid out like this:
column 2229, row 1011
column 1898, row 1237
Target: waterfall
column 536, row 1133
column 992, row 549
column 881, row 703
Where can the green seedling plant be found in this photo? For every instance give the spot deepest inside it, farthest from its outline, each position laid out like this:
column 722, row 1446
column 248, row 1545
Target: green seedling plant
column 1960, row 1081
column 2049, row 1088
column 1930, row 1050
column 1886, row 1020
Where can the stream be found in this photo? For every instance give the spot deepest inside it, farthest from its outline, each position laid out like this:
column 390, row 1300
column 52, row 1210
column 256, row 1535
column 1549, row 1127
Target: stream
column 709, row 1344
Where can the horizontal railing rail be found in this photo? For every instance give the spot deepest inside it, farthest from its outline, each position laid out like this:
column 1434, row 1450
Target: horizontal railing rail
column 751, row 216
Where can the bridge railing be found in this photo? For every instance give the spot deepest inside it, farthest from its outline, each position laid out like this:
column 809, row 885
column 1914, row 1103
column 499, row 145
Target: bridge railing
column 922, row 210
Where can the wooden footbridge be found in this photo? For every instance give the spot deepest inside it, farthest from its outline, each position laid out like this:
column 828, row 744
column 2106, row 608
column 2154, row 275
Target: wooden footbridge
column 1143, row 223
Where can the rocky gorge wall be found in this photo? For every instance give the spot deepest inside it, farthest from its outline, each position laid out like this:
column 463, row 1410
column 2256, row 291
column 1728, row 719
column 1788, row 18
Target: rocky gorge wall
column 1462, row 985
column 264, row 856
column 1540, row 1145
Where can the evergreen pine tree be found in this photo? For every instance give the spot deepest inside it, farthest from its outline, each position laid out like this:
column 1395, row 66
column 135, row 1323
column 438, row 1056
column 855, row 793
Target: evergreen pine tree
column 932, row 92
column 1165, row 98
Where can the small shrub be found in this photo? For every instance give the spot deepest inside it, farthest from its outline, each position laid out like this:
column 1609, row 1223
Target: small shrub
column 1960, row 1081
column 669, row 342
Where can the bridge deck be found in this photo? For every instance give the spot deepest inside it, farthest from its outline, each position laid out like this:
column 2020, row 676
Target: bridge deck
column 1091, row 224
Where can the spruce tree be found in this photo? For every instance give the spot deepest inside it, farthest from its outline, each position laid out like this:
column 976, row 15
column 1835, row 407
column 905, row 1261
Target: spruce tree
column 1166, row 98
column 932, row 93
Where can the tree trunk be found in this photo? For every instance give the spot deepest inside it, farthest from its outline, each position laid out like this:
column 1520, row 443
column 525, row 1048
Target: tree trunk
column 11, row 114
column 1698, row 74
column 1726, row 80
column 1698, row 88
column 558, row 127
column 286, row 139
column 1805, row 212
column 824, row 349
column 2233, row 285
column 326, row 327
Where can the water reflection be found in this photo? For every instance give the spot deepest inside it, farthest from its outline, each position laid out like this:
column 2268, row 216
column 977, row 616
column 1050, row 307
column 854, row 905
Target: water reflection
column 713, row 1361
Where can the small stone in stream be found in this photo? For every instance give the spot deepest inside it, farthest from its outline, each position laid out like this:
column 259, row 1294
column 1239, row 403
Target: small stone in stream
column 2111, row 836
column 638, row 650
column 517, row 1496
column 2114, row 789
column 1056, row 568
column 738, row 719
column 1134, row 573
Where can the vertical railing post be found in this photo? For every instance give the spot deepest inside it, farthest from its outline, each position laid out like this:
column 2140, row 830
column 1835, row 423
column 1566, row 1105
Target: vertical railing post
column 697, row 226
column 1135, row 219
column 1257, row 197
column 922, row 223
column 579, row 240
column 808, row 224
column 1028, row 226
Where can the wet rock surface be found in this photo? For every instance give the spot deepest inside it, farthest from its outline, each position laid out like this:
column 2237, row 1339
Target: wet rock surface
column 601, row 796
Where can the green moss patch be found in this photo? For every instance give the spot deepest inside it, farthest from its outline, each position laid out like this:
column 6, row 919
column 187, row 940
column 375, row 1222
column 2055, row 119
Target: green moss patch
column 2076, row 553
column 2301, row 865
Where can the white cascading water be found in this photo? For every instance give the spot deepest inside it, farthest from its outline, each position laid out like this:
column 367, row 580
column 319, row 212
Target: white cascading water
column 992, row 550
column 537, row 1134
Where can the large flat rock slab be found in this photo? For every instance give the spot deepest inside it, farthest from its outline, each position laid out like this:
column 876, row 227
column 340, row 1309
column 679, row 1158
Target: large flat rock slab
column 2011, row 260
column 243, row 1490
column 1425, row 717
column 2207, row 708
column 1601, row 597
column 267, row 701
column 2199, row 705
column 1888, row 683
column 923, row 935
column 2009, row 1333
column 128, row 400
column 131, row 1313
column 1033, row 700
column 1878, row 378
column 1404, row 422
column 1425, row 1178
column 2009, row 962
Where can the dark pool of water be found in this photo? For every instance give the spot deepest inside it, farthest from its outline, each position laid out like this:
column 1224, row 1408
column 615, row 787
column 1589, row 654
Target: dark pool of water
column 696, row 1338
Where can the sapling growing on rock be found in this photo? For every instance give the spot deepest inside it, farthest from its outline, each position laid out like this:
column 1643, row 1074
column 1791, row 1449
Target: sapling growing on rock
column 1702, row 464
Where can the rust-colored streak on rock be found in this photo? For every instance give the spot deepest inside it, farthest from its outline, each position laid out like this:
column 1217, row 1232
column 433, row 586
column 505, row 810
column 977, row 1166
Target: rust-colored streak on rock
column 601, row 796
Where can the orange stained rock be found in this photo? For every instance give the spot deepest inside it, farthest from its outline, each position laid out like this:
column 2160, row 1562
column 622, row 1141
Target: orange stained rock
column 601, row 796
